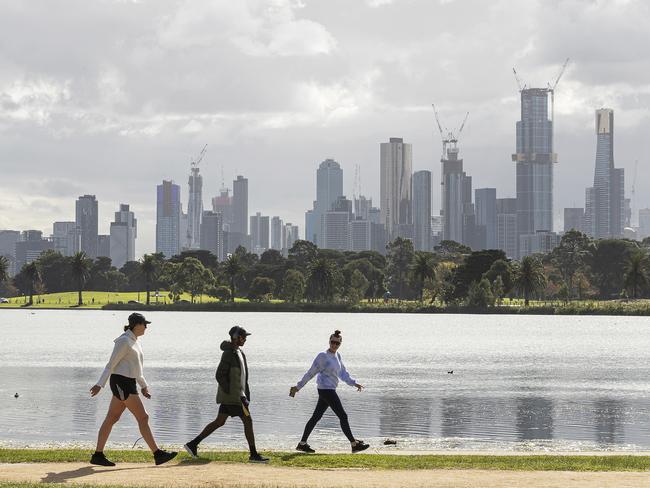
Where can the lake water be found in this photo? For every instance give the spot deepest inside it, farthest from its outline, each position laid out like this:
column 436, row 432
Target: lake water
column 540, row 383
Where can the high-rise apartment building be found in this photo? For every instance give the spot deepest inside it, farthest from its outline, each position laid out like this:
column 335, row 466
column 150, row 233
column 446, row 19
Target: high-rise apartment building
column 507, row 238
column 486, row 217
column 86, row 218
column 238, row 233
column 335, row 230
column 329, row 187
column 605, row 201
column 259, row 233
column 422, row 210
column 103, row 245
column 124, row 231
column 456, row 195
column 212, row 234
column 396, row 185
column 362, row 206
column 66, row 238
column 168, row 219
column 194, row 208
column 223, row 205
column 277, row 228
column 289, row 236
column 360, row 237
column 534, row 160
column 574, row 219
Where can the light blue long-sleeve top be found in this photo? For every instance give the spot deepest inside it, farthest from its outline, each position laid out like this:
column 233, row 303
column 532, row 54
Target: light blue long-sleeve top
column 329, row 368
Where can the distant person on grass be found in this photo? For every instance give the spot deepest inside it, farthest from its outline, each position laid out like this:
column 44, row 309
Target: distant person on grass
column 329, row 367
column 125, row 370
column 233, row 394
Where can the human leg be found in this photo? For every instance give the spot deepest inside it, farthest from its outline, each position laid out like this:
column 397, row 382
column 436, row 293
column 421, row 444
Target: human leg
column 321, row 406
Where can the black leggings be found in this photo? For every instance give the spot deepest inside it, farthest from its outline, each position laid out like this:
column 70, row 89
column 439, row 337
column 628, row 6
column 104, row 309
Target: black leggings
column 328, row 398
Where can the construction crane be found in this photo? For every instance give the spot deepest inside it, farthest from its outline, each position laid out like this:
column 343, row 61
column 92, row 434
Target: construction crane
column 520, row 85
column 551, row 88
column 195, row 163
column 448, row 137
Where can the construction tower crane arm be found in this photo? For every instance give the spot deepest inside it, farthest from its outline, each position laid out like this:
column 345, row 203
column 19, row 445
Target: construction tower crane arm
column 462, row 126
column 520, row 85
column 200, row 156
column 557, row 80
column 442, row 132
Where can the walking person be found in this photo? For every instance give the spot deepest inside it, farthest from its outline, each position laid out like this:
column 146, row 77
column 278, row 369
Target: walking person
column 125, row 370
column 329, row 367
column 233, row 394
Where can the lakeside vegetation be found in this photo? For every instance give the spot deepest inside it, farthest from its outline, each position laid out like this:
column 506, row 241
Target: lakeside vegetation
column 580, row 276
column 516, row 462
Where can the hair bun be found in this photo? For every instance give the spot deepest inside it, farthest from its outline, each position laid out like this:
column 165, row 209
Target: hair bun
column 126, row 327
column 337, row 333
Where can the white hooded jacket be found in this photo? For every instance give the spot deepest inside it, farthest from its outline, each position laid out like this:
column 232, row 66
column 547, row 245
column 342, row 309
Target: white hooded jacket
column 126, row 360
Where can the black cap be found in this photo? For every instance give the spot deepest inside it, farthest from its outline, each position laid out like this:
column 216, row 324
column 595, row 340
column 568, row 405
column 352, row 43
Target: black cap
column 137, row 318
column 237, row 331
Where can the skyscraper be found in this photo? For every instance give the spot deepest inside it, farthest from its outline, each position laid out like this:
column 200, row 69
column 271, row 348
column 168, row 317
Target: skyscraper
column 168, row 219
column 30, row 246
column 276, row 233
column 259, row 233
column 86, row 218
column 212, row 234
column 422, row 210
column 223, row 204
column 574, row 219
column 456, row 194
column 329, row 187
column 66, row 238
column 534, row 160
column 194, row 208
column 507, row 239
column 124, row 231
column 8, row 240
column 644, row 223
column 605, row 201
column 486, row 217
column 395, row 162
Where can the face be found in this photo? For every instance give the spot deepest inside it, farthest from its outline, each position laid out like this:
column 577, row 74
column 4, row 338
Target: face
column 240, row 341
column 335, row 344
column 139, row 329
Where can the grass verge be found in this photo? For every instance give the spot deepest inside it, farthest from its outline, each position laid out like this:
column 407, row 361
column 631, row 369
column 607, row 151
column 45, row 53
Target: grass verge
column 546, row 462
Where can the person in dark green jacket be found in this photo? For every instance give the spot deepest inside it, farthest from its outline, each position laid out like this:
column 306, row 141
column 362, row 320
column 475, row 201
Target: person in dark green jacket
column 233, row 394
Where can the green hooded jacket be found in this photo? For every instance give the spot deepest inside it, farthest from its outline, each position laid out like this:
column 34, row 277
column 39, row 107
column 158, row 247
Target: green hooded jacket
column 228, row 376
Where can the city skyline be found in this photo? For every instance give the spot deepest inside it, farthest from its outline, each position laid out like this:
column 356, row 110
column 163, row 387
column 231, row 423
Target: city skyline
column 124, row 113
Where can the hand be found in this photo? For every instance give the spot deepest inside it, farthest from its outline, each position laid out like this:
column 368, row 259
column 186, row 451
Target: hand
column 145, row 392
column 244, row 401
column 94, row 390
column 292, row 391
column 359, row 387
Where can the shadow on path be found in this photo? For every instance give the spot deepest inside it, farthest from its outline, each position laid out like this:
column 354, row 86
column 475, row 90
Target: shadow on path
column 64, row 476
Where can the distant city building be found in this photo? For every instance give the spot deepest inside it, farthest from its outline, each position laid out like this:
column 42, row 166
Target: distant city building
column 212, row 234
column 124, row 231
column 456, row 195
column 290, row 235
column 240, row 205
column 362, row 206
column 30, row 246
column 374, row 215
column 259, row 226
column 277, row 228
column 335, row 230
column 66, row 238
column 104, row 246
column 329, row 187
column 507, row 239
column 534, row 160
column 223, row 204
column 486, row 217
column 605, row 201
column 378, row 237
column 422, row 210
column 644, row 223
column 8, row 240
column 360, row 237
column 436, row 230
column 574, row 219
column 539, row 242
column 168, row 219
column 194, row 208
column 86, row 218
column 396, row 185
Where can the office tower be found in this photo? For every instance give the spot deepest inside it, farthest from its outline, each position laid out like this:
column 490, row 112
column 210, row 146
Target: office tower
column 8, row 240
column 456, row 193
column 238, row 233
column 534, row 160
column 276, row 233
column 507, row 239
column 627, row 203
column 540, row 242
column 362, row 207
column 194, row 208
column 124, row 231
column 29, row 247
column 310, row 225
column 335, row 231
column 486, row 217
column 168, row 219
column 374, row 215
column 86, row 218
column 259, row 233
column 422, row 210
column 436, row 230
column 574, row 219
column 212, row 234
column 360, row 237
column 66, row 238
column 223, row 205
column 329, row 187
column 605, row 201
column 103, row 245
column 395, row 162
column 644, row 223
column 289, row 237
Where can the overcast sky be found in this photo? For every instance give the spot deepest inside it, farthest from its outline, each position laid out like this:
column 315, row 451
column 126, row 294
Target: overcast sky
column 110, row 97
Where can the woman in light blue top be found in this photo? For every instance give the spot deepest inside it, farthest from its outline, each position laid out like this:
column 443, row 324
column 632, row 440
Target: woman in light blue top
column 329, row 367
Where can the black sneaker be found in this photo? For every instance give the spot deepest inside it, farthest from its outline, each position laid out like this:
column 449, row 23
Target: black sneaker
column 99, row 459
column 360, row 446
column 161, row 457
column 192, row 449
column 305, row 448
column 256, row 458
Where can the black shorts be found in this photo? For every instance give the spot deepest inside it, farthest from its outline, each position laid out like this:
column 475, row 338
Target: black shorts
column 122, row 386
column 231, row 410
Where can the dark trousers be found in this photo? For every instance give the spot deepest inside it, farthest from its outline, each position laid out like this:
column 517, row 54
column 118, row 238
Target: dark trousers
column 328, row 398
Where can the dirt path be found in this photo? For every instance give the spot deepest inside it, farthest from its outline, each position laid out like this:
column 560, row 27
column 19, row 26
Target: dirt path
column 258, row 476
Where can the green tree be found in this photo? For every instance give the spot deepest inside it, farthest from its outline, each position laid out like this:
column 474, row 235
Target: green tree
column 193, row 277
column 261, row 289
column 475, row 265
column 80, row 267
column 498, row 289
column 293, row 285
column 149, row 269
column 501, row 268
column 423, row 269
column 53, row 266
column 480, row 294
column 399, row 261
column 358, row 286
column 221, row 293
column 636, row 274
column 4, row 270
column 33, row 277
column 608, row 260
column 232, row 268
column 571, row 255
column 321, row 281
column 530, row 278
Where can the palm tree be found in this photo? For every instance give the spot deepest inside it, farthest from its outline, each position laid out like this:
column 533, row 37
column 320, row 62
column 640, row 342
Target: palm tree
column 423, row 269
column 233, row 269
column 80, row 270
column 4, row 270
column 149, row 268
column 321, row 279
column 33, row 275
column 530, row 277
column 635, row 272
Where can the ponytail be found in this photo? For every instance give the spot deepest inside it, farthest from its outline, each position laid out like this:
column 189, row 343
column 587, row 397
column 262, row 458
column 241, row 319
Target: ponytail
column 127, row 327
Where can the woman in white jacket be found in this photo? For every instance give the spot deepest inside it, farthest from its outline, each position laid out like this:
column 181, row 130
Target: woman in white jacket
column 124, row 369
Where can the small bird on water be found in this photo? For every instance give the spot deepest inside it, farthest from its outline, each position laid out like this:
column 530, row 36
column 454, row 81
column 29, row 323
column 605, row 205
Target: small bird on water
column 16, row 395
column 450, row 372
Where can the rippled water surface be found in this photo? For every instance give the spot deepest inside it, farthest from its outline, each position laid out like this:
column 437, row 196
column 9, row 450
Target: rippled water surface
column 533, row 383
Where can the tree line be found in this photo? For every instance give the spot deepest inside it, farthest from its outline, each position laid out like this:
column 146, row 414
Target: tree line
column 578, row 268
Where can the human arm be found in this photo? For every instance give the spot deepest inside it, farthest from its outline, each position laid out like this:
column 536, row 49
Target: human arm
column 222, row 374
column 345, row 376
column 119, row 351
column 316, row 367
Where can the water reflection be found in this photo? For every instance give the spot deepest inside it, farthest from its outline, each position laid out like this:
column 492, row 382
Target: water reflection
column 609, row 416
column 399, row 416
column 456, row 417
column 534, row 418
